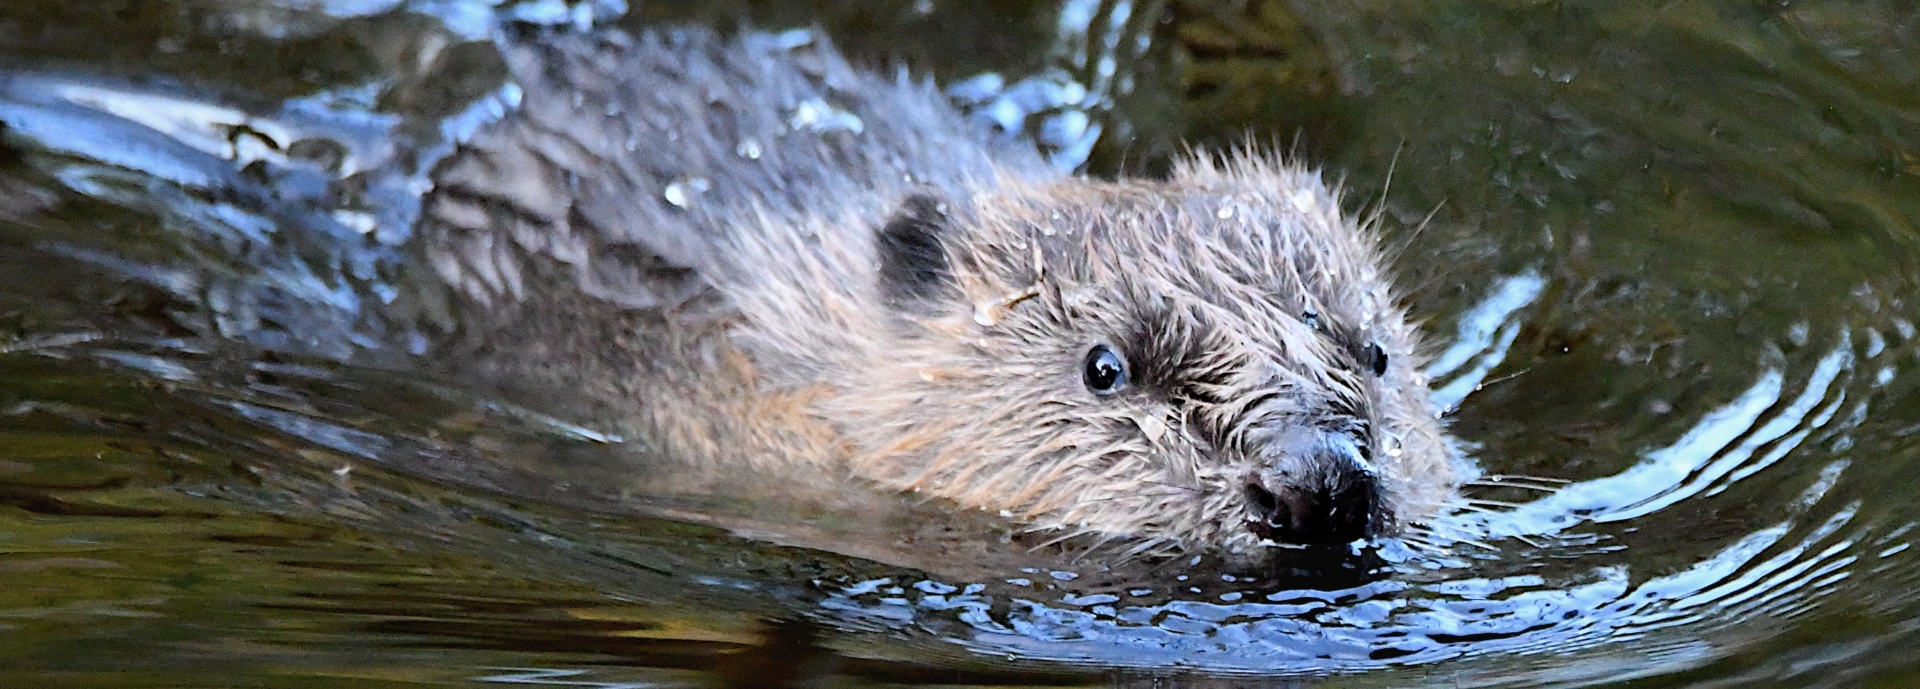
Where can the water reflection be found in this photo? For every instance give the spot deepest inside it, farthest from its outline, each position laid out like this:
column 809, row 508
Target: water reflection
column 1061, row 108
column 1481, row 341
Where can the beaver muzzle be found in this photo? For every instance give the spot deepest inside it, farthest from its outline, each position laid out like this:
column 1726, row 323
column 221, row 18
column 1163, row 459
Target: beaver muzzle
column 1318, row 489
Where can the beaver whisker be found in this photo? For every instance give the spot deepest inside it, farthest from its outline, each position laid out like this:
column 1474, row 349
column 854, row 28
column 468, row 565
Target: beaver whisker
column 1478, row 509
column 1420, row 542
column 1504, row 378
column 1412, row 536
column 1507, row 516
column 1515, row 484
column 1175, row 486
column 1523, row 538
column 1135, row 496
column 1379, row 209
column 1436, row 527
column 1519, row 481
column 1140, row 548
column 1061, row 539
column 1392, row 252
column 1513, row 521
column 1154, row 548
column 1522, row 486
column 1483, row 503
column 1101, row 540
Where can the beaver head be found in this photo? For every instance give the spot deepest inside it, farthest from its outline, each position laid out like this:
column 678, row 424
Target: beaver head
column 1212, row 362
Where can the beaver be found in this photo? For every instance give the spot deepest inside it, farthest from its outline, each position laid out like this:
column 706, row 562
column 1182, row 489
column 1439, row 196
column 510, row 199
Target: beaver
column 759, row 262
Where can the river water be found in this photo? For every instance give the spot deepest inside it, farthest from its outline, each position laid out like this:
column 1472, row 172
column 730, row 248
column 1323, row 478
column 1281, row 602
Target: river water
column 1667, row 253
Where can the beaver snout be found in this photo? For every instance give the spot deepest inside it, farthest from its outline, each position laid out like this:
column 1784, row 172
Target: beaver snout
column 1320, row 491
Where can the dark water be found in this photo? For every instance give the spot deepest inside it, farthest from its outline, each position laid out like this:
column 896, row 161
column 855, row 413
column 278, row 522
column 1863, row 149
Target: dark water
column 1669, row 252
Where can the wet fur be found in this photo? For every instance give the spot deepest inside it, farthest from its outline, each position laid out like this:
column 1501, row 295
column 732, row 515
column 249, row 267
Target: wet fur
column 907, row 308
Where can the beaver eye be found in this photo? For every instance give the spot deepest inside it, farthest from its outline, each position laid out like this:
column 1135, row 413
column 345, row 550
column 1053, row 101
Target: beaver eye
column 1312, row 319
column 1105, row 371
column 1378, row 357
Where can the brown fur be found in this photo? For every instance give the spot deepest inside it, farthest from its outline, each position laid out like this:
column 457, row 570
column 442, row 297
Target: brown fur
column 751, row 336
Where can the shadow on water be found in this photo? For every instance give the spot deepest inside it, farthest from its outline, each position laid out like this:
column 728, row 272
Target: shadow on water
column 1671, row 288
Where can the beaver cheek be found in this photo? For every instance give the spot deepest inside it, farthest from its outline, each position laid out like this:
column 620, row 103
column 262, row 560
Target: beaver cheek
column 1314, row 488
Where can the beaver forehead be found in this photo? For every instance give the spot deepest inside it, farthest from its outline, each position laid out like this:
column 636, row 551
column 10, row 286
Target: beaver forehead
column 1277, row 286
column 1229, row 246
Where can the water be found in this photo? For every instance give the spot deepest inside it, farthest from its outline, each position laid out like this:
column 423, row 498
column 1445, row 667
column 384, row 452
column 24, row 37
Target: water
column 1667, row 252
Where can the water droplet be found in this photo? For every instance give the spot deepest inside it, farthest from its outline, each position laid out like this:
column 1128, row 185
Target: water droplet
column 749, row 148
column 363, row 223
column 1304, row 201
column 682, row 192
column 1065, row 129
column 817, row 115
column 1072, row 93
column 983, row 314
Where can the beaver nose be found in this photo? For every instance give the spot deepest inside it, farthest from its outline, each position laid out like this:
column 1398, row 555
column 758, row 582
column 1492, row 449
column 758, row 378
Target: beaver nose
column 1328, row 495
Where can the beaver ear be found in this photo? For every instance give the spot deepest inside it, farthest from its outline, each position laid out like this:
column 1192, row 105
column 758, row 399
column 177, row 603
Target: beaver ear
column 913, row 259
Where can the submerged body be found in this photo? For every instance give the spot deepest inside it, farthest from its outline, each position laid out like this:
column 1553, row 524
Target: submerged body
column 771, row 269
